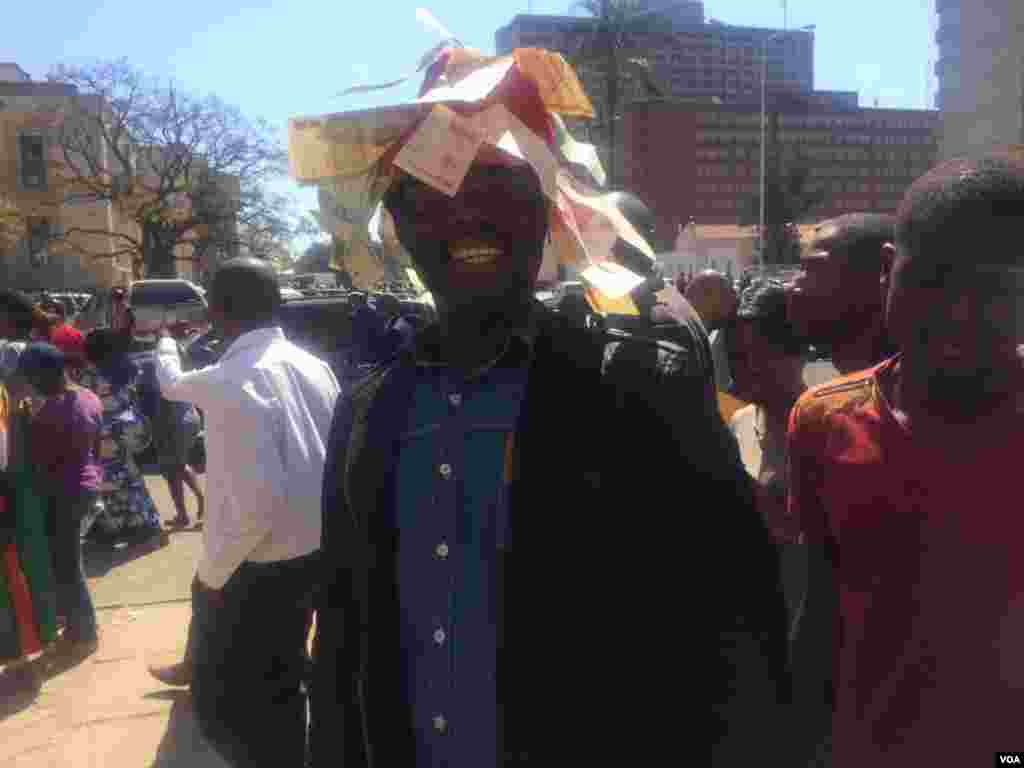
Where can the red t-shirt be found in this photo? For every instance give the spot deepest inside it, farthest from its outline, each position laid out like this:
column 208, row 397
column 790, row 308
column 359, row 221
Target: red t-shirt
column 929, row 565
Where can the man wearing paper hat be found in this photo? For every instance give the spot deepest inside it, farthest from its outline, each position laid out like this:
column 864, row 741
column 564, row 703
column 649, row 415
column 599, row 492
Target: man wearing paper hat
column 503, row 585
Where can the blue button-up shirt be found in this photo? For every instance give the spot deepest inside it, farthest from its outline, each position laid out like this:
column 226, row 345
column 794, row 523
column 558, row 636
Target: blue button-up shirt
column 452, row 507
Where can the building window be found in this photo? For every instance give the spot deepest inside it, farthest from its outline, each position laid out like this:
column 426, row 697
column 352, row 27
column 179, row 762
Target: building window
column 39, row 234
column 32, row 159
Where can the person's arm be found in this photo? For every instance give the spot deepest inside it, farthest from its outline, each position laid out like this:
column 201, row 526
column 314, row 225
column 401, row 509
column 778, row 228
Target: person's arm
column 255, row 478
column 83, row 431
column 175, row 383
column 335, row 727
column 745, row 612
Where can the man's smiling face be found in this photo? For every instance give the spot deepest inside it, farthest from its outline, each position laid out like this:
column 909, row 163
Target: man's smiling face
column 485, row 244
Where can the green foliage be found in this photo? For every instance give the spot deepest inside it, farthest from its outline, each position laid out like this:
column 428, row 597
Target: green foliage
column 790, row 198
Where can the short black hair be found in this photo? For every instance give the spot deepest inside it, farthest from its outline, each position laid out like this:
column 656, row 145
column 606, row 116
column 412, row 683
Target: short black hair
column 42, row 365
column 246, row 290
column 764, row 303
column 18, row 309
column 102, row 344
column 858, row 235
column 966, row 208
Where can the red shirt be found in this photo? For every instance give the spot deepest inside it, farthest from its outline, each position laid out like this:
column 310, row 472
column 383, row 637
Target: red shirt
column 929, row 566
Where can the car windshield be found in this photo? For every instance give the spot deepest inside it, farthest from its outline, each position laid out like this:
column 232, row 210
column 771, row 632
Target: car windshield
column 162, row 294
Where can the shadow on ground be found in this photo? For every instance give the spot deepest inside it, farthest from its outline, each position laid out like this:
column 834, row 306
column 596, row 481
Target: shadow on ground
column 19, row 688
column 101, row 558
column 182, row 745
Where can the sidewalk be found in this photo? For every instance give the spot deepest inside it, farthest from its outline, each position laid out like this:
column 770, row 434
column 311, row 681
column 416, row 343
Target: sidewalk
column 107, row 712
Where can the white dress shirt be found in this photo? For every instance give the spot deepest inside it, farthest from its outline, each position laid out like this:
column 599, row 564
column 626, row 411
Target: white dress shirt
column 268, row 406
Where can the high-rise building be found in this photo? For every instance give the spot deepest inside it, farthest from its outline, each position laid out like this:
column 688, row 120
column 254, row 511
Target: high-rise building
column 687, row 55
column 701, row 162
column 981, row 74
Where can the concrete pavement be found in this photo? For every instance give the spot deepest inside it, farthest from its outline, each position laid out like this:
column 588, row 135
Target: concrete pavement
column 107, row 712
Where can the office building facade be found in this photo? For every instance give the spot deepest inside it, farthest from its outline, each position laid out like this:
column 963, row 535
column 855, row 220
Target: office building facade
column 701, row 162
column 981, row 74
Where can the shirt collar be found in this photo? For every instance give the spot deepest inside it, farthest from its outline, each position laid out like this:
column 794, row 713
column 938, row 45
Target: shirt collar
column 426, row 350
column 261, row 337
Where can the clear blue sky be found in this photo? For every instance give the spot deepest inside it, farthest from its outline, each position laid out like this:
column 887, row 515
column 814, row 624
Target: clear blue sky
column 281, row 58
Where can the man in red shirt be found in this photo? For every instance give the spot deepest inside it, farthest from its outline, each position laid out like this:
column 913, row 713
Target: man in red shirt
column 837, row 299
column 904, row 483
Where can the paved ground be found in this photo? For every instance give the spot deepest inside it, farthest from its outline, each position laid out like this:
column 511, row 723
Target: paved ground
column 107, row 712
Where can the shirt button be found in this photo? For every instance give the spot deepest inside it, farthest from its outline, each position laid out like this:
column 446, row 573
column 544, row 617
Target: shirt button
column 439, row 636
column 441, row 550
column 446, row 470
column 440, row 724
column 455, row 399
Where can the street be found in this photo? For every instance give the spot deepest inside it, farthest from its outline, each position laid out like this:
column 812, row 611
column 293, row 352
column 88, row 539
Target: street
column 108, row 712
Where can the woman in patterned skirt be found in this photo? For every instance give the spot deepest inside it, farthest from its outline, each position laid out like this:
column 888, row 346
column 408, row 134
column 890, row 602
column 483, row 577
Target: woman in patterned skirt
column 126, row 510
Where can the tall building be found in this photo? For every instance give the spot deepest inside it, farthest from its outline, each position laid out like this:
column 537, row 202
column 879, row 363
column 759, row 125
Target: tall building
column 981, row 74
column 701, row 162
column 689, row 56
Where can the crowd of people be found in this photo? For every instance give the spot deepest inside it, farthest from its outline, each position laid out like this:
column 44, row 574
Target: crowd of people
column 487, row 526
column 77, row 414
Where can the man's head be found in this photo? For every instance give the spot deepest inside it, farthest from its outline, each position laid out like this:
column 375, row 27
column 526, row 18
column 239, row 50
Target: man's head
column 102, row 346
column 957, row 281
column 838, row 296
column 16, row 316
column 41, row 366
column 713, row 296
column 481, row 248
column 768, row 352
column 244, row 296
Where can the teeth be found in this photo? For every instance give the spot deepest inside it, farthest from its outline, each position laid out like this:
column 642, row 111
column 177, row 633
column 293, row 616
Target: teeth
column 476, row 255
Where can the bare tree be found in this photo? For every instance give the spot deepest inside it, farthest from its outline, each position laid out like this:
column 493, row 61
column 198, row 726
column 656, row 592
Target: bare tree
column 791, row 197
column 186, row 175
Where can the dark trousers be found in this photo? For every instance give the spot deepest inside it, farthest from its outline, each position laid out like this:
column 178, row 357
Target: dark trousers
column 247, row 646
column 73, row 600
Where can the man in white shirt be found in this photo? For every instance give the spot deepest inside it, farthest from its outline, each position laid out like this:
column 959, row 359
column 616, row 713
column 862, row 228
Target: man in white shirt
column 268, row 406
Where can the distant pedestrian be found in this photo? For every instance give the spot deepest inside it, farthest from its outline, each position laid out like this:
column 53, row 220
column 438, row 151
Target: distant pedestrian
column 126, row 512
column 28, row 608
column 713, row 295
column 838, row 298
column 65, row 438
column 771, row 380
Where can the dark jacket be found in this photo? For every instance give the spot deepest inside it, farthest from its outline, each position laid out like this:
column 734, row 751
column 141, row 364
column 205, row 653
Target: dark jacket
column 629, row 610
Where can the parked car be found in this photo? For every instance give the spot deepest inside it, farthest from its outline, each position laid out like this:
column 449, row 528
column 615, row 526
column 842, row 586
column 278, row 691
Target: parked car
column 321, row 326
column 155, row 303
